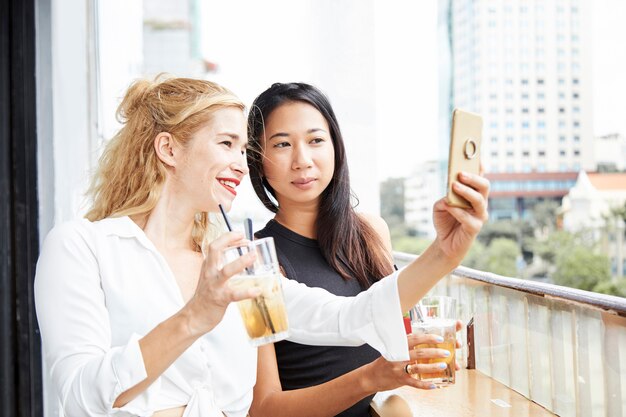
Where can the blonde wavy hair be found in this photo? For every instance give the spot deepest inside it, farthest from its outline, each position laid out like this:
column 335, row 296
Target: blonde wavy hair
column 129, row 177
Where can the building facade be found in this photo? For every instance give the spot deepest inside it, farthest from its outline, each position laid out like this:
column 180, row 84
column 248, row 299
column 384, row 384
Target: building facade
column 421, row 190
column 610, row 152
column 524, row 65
column 589, row 205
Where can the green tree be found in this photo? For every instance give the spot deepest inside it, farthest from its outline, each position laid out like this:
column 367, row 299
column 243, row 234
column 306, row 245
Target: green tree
column 474, row 256
column 501, row 257
column 508, row 229
column 553, row 245
column 617, row 287
column 544, row 215
column 410, row 244
column 580, row 267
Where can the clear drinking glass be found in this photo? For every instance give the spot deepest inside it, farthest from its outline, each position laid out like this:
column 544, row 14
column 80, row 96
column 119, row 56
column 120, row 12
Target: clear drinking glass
column 265, row 316
column 437, row 315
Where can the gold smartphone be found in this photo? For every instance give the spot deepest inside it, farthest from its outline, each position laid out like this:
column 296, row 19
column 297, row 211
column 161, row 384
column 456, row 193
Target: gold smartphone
column 465, row 142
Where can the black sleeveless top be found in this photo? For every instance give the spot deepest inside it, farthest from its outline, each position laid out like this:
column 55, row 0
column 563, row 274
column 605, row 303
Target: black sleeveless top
column 301, row 366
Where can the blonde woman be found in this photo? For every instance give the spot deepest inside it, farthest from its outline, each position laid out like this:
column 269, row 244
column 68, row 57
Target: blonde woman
column 136, row 322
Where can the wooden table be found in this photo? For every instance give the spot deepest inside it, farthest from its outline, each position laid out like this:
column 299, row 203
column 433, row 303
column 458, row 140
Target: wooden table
column 473, row 394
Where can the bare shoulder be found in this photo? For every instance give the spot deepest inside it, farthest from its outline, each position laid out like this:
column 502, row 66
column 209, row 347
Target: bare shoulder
column 380, row 227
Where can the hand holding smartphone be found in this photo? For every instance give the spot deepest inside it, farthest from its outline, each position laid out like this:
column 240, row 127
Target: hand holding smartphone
column 465, row 144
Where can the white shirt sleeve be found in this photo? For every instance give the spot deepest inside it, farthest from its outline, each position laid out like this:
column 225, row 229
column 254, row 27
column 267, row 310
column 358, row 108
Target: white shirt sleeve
column 317, row 317
column 88, row 373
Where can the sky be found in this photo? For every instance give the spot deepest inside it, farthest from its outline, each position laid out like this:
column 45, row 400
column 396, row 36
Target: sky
column 270, row 37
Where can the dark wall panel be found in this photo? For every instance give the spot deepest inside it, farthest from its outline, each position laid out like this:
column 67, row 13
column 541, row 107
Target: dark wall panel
column 20, row 351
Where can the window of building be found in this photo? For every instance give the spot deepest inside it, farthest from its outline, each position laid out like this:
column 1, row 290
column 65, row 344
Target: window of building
column 576, row 152
column 562, row 152
column 541, row 153
column 540, row 110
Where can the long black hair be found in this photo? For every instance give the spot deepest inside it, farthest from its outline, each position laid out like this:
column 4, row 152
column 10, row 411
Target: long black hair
column 349, row 244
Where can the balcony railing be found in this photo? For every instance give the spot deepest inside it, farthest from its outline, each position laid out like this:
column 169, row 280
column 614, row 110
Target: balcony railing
column 562, row 348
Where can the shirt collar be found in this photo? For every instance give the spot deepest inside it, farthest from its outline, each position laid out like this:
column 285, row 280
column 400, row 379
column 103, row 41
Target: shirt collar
column 121, row 226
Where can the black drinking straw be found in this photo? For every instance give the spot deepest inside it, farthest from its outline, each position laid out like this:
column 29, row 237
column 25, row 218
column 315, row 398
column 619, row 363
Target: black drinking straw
column 259, row 301
column 247, row 225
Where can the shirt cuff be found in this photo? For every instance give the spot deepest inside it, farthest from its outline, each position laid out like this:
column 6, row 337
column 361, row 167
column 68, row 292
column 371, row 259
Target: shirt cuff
column 130, row 370
column 387, row 318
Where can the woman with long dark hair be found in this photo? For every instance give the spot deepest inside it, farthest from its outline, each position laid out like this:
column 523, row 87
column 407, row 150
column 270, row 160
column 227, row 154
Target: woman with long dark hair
column 299, row 170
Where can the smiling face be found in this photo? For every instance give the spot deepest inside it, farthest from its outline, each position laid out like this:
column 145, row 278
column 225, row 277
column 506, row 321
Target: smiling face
column 298, row 153
column 213, row 163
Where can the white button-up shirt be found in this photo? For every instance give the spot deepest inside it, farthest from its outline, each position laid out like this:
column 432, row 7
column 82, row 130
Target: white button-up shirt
column 100, row 286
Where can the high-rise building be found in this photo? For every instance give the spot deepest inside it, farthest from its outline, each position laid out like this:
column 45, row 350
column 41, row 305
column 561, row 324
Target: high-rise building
column 421, row 190
column 524, row 65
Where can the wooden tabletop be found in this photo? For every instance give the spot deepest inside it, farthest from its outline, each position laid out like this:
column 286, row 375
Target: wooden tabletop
column 473, row 394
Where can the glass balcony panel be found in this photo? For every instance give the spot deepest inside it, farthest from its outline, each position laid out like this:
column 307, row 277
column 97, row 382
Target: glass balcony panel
column 563, row 361
column 500, row 338
column 540, row 352
column 482, row 330
column 519, row 341
column 590, row 333
column 615, row 359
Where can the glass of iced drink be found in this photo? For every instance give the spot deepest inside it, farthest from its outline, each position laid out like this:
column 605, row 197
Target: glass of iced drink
column 437, row 315
column 265, row 316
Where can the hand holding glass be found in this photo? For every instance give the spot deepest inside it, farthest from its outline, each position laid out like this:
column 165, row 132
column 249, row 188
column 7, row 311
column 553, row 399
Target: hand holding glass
column 265, row 316
column 437, row 315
